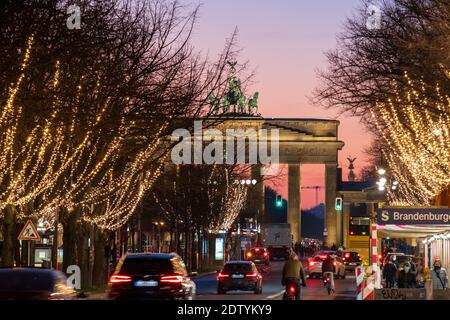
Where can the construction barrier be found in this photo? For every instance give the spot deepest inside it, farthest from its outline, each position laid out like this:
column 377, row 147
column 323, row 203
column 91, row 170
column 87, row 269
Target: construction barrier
column 369, row 288
column 365, row 285
column 359, row 273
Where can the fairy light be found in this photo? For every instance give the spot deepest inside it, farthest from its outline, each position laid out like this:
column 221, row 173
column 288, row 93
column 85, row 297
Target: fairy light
column 417, row 144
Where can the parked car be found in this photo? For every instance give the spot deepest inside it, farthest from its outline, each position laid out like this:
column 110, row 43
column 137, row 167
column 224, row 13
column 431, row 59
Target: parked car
column 351, row 260
column 34, row 284
column 239, row 275
column 148, row 276
column 258, row 255
column 314, row 266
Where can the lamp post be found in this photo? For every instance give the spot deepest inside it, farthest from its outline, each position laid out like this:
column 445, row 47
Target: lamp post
column 159, row 225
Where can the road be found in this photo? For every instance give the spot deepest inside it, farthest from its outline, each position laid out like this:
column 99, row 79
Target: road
column 272, row 289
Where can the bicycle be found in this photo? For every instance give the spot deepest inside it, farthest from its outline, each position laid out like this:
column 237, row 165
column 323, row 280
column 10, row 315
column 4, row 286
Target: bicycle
column 327, row 282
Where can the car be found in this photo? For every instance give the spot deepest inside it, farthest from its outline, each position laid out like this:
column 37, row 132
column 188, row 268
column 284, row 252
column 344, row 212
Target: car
column 259, row 255
column 239, row 275
column 314, row 266
column 351, row 260
column 34, row 284
column 399, row 259
column 151, row 276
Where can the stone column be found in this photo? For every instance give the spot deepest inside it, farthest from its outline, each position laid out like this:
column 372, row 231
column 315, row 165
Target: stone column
column 330, row 197
column 345, row 220
column 294, row 218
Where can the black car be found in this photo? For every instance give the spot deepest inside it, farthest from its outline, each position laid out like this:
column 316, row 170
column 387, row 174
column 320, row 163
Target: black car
column 239, row 275
column 151, row 276
column 34, row 284
column 351, row 260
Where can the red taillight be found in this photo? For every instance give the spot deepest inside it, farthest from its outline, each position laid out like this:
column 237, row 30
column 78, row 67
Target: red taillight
column 249, row 254
column 221, row 276
column 292, row 288
column 265, row 254
column 252, row 275
column 347, row 255
column 256, row 249
column 323, row 257
column 119, row 279
column 171, row 279
column 311, row 263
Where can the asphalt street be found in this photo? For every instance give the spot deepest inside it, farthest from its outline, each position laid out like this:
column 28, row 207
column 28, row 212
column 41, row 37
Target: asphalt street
column 273, row 290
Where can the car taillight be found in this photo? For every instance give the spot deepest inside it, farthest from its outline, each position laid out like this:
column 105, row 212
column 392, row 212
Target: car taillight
column 252, row 275
column 249, row 254
column 221, row 276
column 171, row 279
column 323, row 257
column 119, row 279
column 257, row 249
column 311, row 263
column 265, row 254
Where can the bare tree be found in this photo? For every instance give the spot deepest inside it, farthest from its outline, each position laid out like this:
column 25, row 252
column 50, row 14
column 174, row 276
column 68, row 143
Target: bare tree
column 412, row 38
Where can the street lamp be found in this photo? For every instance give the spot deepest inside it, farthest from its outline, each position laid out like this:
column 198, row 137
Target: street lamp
column 159, row 225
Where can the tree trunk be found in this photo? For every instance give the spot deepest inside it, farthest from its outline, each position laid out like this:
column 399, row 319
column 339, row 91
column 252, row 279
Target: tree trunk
column 9, row 236
column 69, row 223
column 99, row 271
column 83, row 255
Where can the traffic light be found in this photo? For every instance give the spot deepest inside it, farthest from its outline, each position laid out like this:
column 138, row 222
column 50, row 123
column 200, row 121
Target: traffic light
column 279, row 202
column 338, row 204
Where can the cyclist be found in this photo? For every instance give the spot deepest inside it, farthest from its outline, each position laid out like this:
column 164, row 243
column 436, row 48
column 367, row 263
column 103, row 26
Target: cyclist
column 328, row 268
column 294, row 273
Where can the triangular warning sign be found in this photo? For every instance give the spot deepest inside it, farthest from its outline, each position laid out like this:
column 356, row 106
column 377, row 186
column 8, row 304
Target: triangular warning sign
column 29, row 232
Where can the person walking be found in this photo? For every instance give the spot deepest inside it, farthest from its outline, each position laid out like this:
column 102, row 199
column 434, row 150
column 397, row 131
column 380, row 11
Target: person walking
column 389, row 274
column 439, row 276
column 407, row 278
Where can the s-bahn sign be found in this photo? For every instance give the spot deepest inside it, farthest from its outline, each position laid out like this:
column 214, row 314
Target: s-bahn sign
column 413, row 216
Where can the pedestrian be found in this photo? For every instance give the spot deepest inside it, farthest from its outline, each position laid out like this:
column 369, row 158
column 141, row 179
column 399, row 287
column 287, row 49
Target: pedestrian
column 389, row 274
column 439, row 276
column 407, row 278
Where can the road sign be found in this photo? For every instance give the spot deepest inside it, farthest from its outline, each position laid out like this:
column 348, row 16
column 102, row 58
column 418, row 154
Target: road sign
column 29, row 232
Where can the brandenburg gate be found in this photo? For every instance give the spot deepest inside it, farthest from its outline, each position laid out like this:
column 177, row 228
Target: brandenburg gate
column 301, row 141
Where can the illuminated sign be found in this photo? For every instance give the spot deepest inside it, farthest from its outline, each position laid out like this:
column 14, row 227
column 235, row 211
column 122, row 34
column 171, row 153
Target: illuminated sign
column 413, row 216
column 219, row 249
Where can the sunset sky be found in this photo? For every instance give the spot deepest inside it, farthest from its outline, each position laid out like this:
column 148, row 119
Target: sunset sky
column 284, row 42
